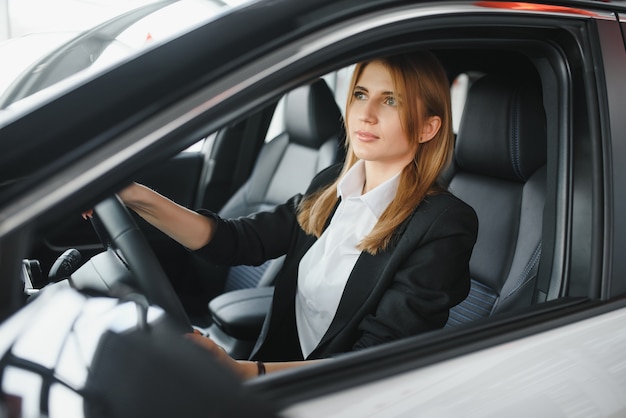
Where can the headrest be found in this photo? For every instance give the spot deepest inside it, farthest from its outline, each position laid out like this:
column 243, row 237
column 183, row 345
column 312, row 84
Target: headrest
column 503, row 129
column 312, row 115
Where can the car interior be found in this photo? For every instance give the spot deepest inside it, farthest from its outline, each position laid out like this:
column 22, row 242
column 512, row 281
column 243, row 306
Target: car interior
column 499, row 168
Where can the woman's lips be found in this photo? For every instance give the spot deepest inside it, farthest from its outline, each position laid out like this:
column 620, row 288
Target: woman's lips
column 366, row 136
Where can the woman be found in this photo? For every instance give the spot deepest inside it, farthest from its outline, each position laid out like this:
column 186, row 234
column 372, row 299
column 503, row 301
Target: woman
column 376, row 249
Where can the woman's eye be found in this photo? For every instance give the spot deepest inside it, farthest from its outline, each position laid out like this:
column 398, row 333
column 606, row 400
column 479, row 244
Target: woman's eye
column 391, row 101
column 359, row 95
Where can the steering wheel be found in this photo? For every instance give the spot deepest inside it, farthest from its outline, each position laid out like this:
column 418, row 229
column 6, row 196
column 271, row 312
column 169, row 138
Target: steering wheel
column 118, row 230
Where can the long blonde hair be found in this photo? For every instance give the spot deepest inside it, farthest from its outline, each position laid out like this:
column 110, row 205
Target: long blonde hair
column 420, row 79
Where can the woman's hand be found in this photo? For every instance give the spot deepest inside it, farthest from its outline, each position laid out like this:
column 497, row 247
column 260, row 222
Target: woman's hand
column 126, row 195
column 245, row 369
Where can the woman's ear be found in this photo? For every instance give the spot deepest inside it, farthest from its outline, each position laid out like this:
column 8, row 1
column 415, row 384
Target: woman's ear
column 430, row 128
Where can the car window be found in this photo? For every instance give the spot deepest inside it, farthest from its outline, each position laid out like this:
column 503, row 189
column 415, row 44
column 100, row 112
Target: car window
column 155, row 27
column 97, row 35
column 458, row 93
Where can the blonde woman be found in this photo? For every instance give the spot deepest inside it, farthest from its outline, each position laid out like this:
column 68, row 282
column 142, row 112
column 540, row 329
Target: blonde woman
column 376, row 249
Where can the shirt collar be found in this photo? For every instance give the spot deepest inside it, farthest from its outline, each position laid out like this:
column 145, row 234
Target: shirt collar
column 377, row 199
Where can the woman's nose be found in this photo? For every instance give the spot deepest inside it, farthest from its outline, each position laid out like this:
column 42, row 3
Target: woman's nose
column 367, row 113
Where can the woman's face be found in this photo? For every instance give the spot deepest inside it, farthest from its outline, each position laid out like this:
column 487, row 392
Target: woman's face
column 375, row 132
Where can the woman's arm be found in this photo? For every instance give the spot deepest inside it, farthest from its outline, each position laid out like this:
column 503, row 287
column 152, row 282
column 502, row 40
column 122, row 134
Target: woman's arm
column 189, row 228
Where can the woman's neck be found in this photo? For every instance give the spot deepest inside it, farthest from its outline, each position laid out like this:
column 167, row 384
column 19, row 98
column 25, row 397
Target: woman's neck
column 376, row 174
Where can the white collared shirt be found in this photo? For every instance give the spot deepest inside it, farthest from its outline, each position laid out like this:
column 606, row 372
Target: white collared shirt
column 325, row 268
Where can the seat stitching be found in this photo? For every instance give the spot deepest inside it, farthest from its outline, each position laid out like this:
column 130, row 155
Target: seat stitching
column 515, row 117
column 526, row 275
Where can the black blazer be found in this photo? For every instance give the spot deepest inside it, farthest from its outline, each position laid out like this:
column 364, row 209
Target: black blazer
column 407, row 289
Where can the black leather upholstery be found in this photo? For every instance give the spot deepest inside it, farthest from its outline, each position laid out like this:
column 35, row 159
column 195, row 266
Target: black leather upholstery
column 500, row 159
column 313, row 140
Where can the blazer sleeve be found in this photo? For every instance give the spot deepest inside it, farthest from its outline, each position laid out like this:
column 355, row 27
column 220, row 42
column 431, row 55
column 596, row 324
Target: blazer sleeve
column 432, row 278
column 254, row 239
column 261, row 236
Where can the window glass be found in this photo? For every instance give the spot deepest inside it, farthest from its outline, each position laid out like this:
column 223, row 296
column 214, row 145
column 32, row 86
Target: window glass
column 34, row 37
column 458, row 93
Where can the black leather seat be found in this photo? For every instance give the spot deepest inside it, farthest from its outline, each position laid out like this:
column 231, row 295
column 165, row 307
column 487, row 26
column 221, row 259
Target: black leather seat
column 312, row 140
column 500, row 159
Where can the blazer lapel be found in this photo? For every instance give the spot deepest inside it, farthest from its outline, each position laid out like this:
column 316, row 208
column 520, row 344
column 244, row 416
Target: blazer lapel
column 362, row 283
column 365, row 281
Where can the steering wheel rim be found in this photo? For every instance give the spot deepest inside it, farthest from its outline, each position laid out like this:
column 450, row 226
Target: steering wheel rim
column 122, row 233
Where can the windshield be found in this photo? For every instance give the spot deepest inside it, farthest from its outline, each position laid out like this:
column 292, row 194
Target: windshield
column 46, row 41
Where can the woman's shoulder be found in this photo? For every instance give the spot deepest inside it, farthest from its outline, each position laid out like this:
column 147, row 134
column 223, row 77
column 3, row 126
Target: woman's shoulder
column 442, row 213
column 443, row 197
column 445, row 201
